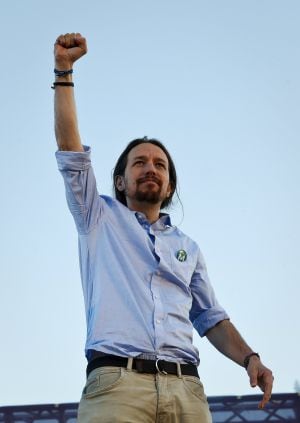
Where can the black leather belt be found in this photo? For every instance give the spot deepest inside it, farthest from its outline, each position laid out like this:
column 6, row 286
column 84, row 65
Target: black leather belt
column 142, row 366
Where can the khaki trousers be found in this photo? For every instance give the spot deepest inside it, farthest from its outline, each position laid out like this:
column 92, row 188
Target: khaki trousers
column 120, row 395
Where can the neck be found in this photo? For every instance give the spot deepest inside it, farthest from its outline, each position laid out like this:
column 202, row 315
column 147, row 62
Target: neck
column 151, row 211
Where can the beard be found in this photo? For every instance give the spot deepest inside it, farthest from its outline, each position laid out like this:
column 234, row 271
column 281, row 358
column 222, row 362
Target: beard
column 149, row 194
column 148, row 197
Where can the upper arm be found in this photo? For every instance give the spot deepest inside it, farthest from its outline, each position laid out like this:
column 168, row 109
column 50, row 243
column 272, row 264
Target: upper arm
column 206, row 312
column 81, row 189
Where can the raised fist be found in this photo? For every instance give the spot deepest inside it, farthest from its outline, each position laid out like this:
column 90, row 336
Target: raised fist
column 68, row 48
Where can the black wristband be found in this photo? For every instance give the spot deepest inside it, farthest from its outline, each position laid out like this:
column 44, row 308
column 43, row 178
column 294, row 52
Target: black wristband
column 63, row 72
column 62, row 84
column 247, row 359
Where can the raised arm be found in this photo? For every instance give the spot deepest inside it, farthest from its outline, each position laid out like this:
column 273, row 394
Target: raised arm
column 229, row 342
column 67, row 49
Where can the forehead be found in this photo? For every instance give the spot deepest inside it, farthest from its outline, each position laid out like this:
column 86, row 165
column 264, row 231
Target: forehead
column 148, row 150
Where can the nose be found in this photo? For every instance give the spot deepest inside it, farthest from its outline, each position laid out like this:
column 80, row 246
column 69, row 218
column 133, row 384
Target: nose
column 150, row 168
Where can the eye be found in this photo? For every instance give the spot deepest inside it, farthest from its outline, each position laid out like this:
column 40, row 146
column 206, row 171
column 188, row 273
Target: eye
column 160, row 165
column 139, row 163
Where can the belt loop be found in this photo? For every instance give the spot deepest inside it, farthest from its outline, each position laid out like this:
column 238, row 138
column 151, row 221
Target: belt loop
column 179, row 370
column 129, row 363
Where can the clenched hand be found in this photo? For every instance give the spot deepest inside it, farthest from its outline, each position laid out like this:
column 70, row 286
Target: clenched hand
column 68, row 48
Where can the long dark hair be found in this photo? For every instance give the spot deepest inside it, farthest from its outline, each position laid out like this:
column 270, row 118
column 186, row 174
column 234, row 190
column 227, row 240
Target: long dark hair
column 120, row 167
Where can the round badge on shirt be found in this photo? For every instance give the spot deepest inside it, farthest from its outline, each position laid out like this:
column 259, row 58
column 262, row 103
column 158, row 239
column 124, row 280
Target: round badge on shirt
column 181, row 255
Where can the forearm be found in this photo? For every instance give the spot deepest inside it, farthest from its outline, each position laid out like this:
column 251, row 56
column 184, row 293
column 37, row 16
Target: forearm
column 67, row 49
column 229, row 342
column 65, row 116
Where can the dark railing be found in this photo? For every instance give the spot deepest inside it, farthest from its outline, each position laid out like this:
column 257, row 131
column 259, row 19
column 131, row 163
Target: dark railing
column 282, row 408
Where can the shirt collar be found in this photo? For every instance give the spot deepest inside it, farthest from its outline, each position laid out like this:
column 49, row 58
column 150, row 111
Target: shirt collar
column 164, row 221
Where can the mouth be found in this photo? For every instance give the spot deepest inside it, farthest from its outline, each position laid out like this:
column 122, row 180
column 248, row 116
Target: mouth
column 149, row 182
column 145, row 180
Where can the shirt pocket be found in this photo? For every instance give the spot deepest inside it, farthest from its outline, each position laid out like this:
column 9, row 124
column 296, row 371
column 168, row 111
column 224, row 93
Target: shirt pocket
column 183, row 264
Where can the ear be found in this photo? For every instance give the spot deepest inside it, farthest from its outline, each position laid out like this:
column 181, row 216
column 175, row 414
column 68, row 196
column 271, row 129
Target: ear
column 120, row 183
column 169, row 190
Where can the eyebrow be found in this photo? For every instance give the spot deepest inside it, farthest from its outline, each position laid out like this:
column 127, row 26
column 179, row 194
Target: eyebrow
column 158, row 159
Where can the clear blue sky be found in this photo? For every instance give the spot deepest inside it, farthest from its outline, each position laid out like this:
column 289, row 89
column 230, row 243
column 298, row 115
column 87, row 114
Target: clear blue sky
column 218, row 83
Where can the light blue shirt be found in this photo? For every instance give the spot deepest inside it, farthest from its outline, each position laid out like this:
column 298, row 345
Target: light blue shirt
column 140, row 300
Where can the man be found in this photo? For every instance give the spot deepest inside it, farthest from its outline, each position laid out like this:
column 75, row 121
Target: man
column 144, row 282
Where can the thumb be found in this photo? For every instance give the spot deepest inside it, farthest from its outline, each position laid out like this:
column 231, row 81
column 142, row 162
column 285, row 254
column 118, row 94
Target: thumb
column 80, row 41
column 253, row 379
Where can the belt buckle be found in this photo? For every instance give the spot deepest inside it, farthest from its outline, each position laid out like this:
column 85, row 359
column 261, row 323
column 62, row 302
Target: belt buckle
column 162, row 372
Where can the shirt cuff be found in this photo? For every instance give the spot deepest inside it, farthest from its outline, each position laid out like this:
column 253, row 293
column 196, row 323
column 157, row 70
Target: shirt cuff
column 74, row 160
column 208, row 319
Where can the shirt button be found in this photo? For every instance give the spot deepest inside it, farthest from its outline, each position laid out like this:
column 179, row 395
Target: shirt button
column 156, row 296
column 158, row 321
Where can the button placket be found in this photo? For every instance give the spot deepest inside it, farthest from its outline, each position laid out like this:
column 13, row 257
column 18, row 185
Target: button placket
column 158, row 315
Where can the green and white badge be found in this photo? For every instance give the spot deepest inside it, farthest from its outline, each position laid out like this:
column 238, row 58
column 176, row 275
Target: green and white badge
column 181, row 255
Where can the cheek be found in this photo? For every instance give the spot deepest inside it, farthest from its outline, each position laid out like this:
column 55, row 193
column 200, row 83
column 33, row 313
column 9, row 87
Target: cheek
column 129, row 184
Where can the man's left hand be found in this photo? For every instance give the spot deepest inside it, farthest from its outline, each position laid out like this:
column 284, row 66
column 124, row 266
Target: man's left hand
column 260, row 376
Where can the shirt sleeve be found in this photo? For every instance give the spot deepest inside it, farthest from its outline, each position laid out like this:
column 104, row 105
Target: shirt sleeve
column 206, row 312
column 81, row 190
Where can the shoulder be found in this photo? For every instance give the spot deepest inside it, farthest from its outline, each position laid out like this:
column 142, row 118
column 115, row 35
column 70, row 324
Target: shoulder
column 114, row 207
column 185, row 237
